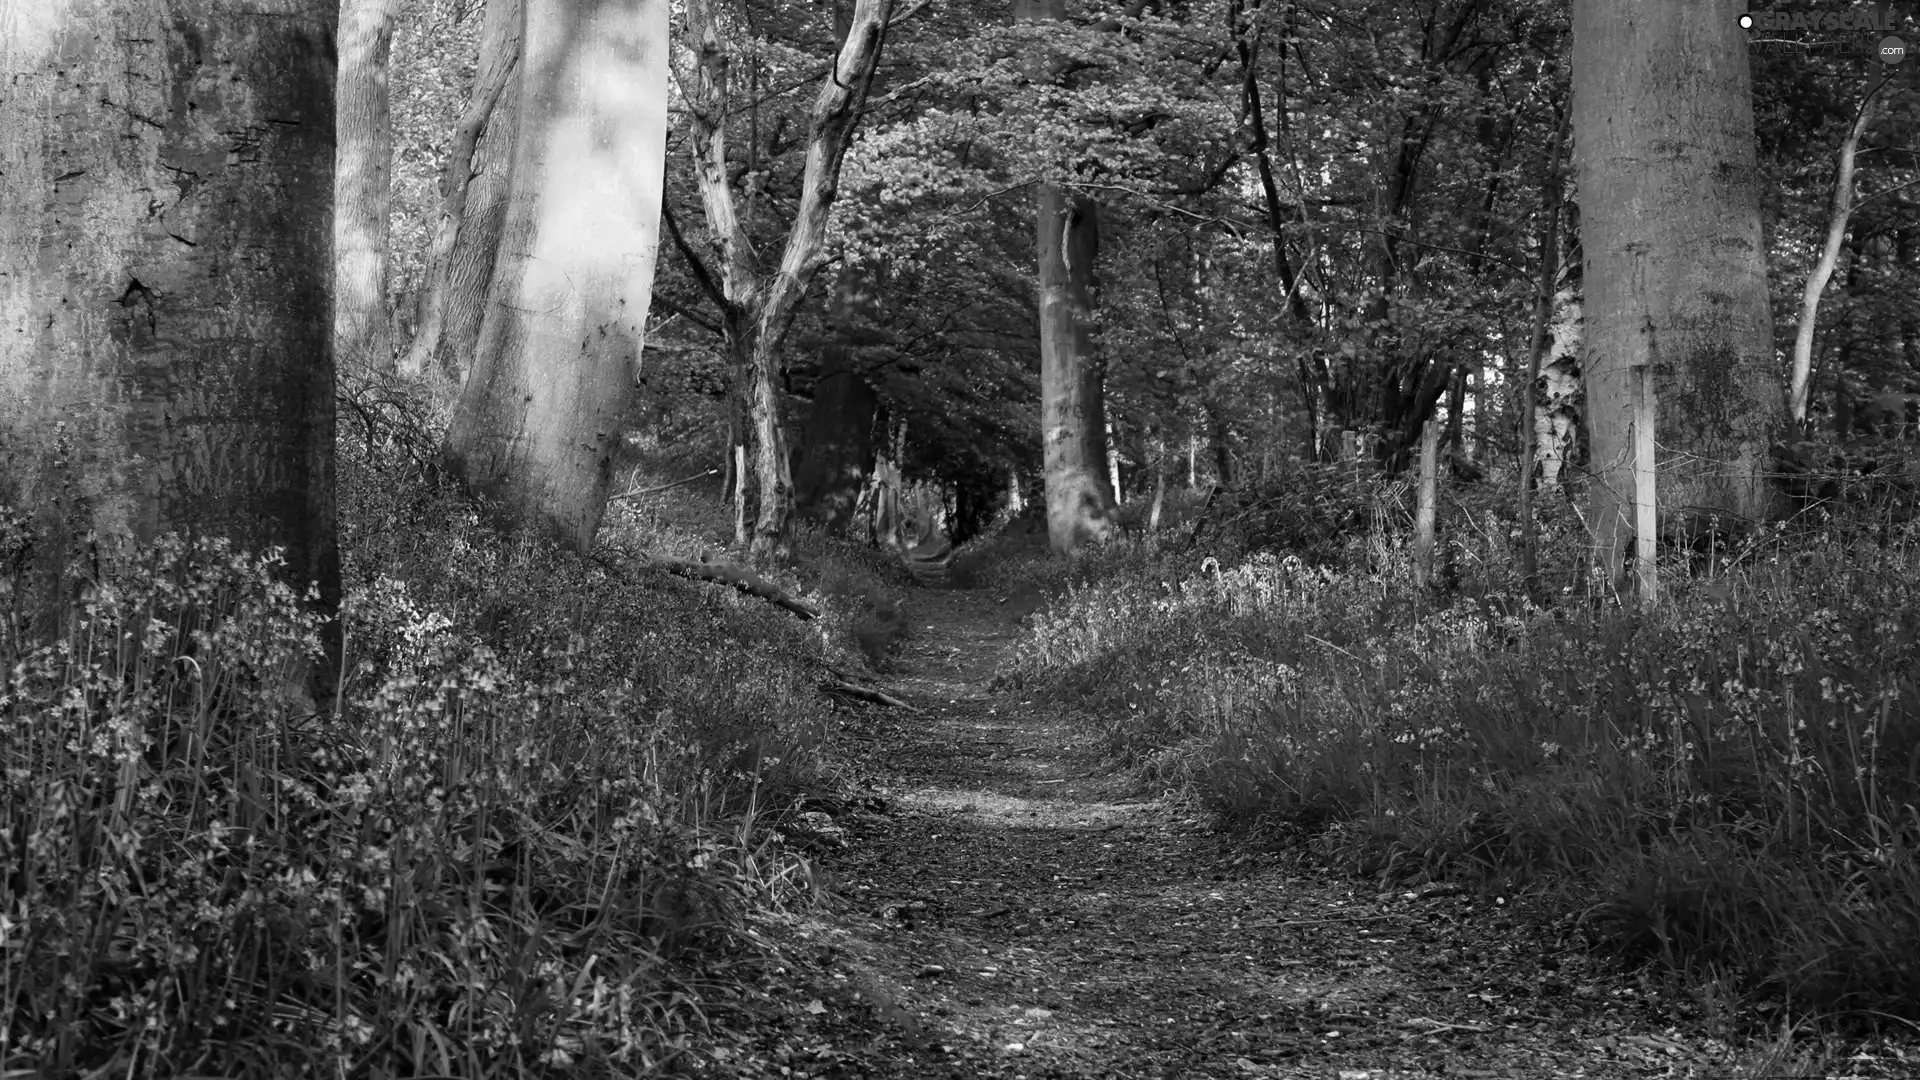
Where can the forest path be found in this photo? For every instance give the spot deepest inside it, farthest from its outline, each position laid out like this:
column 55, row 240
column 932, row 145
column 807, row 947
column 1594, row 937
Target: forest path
column 1015, row 912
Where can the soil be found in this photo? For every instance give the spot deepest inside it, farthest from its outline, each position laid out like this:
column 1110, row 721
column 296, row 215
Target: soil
column 1000, row 902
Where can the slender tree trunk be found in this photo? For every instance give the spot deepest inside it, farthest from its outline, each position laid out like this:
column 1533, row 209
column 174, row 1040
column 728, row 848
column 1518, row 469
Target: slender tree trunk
column 473, row 204
column 166, row 190
column 1424, row 508
column 540, row 419
column 835, row 112
column 1829, row 255
column 1527, row 400
column 1676, row 275
column 839, row 451
column 363, row 192
column 1219, row 440
column 837, row 455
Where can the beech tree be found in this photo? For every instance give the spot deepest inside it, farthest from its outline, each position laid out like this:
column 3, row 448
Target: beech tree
column 1073, row 416
column 363, row 194
column 166, row 192
column 1675, row 277
column 544, row 407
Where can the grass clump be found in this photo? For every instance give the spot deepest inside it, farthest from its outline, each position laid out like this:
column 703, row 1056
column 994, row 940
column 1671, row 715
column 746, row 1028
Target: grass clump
column 1727, row 784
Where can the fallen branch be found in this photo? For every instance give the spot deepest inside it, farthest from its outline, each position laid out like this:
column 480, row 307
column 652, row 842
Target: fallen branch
column 727, row 574
column 866, row 693
column 637, row 492
column 1435, row 1027
column 1319, row 922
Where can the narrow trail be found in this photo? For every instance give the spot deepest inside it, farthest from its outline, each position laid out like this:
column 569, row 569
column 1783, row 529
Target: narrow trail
column 1016, row 911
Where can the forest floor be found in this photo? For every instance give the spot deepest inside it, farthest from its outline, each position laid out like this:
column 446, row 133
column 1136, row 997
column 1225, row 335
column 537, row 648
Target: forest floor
column 1004, row 904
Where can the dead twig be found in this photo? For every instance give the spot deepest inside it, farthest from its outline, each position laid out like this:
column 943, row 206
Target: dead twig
column 637, row 492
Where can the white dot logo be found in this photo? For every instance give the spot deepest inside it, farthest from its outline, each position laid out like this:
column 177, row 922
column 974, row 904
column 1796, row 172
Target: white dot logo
column 1746, row 22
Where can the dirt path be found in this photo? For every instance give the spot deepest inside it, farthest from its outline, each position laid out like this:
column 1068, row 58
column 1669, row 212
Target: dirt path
column 1014, row 911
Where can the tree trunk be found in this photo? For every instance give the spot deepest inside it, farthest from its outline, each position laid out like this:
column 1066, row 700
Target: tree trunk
column 1424, row 509
column 166, row 190
column 1220, row 441
column 1072, row 408
column 473, row 205
column 838, row 455
column 1829, row 255
column 539, row 422
column 1528, row 401
column 1080, row 503
column 758, row 312
column 363, row 193
column 1676, row 275
column 835, row 112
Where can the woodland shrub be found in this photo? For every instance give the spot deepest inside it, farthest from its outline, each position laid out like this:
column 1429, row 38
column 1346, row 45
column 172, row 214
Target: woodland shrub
column 522, row 839
column 1728, row 783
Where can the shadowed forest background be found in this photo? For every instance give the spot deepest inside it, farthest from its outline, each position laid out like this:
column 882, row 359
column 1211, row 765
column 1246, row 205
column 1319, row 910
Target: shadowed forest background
column 471, row 473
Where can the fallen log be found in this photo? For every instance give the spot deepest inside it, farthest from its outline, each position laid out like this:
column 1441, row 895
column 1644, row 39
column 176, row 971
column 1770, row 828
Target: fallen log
column 737, row 576
column 726, row 573
column 866, row 693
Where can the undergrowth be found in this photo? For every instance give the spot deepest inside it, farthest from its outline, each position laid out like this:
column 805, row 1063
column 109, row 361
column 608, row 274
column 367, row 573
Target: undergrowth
column 530, row 838
column 1726, row 785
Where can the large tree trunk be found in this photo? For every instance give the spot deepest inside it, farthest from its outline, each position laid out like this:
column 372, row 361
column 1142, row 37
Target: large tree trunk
column 1675, row 273
column 166, row 190
column 473, row 208
column 540, row 419
column 363, row 193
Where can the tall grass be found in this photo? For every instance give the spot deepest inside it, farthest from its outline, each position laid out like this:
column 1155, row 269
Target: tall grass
column 1727, row 784
column 519, row 845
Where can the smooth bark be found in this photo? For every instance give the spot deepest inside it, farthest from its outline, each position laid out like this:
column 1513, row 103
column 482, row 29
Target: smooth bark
column 1080, row 502
column 540, row 419
column 1675, row 271
column 166, row 191
column 363, row 190
column 473, row 190
column 1072, row 392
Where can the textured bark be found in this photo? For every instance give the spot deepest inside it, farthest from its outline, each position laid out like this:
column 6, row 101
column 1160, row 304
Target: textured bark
column 363, row 192
column 166, row 189
column 1675, row 273
column 473, row 190
column 1424, row 502
column 540, row 419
